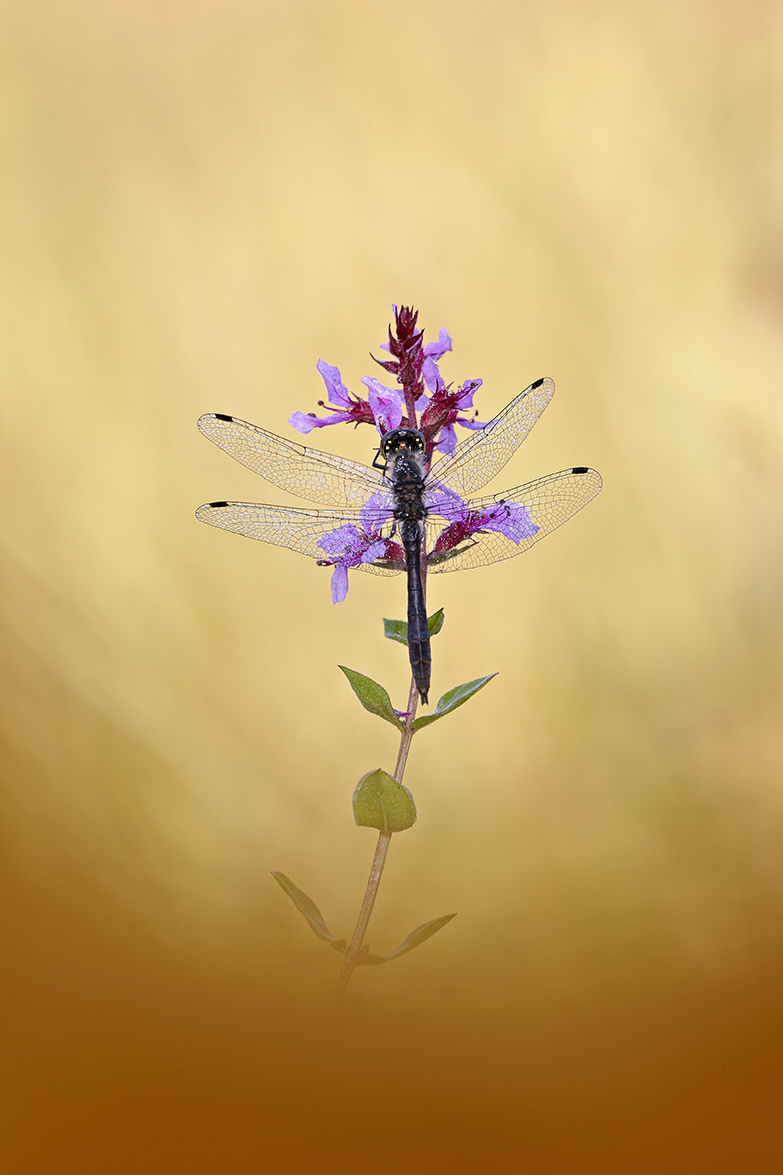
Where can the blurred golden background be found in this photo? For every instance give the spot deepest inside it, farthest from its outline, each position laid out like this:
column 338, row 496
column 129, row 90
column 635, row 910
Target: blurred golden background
column 199, row 201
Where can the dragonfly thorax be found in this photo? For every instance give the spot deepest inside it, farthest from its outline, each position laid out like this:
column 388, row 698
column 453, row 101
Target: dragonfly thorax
column 406, row 468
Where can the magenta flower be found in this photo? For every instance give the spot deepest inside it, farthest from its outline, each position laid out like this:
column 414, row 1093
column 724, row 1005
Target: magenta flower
column 386, row 404
column 443, row 412
column 510, row 519
column 351, row 410
column 351, row 545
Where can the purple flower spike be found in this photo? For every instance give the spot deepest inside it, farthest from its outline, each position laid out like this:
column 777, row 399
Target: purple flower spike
column 422, row 400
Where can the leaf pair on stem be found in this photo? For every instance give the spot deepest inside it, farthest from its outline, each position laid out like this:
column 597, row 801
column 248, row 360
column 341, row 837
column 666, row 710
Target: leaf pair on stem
column 383, row 802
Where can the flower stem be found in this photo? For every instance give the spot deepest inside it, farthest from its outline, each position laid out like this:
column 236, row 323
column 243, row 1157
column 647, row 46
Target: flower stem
column 407, row 732
column 355, row 948
column 354, row 951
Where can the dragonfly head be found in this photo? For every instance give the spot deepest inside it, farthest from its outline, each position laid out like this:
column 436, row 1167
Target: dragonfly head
column 399, row 440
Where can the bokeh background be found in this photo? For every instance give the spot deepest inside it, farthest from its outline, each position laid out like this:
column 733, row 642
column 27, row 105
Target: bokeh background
column 199, row 200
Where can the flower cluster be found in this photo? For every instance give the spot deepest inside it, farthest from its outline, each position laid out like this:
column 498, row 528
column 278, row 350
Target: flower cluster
column 351, row 545
column 511, row 519
column 422, row 393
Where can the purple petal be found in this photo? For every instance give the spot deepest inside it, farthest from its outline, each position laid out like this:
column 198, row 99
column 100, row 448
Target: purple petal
column 466, row 393
column 339, row 583
column 337, row 391
column 306, row 421
column 375, row 551
column 464, row 422
column 438, row 350
column 448, row 505
column 510, row 519
column 342, row 542
column 447, row 441
column 303, row 421
column 375, row 512
column 385, row 404
column 430, row 373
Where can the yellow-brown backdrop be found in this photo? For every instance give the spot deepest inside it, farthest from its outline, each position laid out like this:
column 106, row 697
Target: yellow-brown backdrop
column 199, row 200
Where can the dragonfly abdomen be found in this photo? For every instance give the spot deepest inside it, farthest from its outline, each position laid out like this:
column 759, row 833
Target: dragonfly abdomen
column 407, row 465
column 418, row 632
column 408, row 470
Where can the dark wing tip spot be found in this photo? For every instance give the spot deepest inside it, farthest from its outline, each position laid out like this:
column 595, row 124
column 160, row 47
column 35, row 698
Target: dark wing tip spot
column 217, row 505
column 222, row 416
column 580, row 469
column 538, row 383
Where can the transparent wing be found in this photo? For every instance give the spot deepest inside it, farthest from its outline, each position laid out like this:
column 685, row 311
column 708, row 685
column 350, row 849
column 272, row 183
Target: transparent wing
column 477, row 459
column 551, row 501
column 298, row 530
column 319, row 477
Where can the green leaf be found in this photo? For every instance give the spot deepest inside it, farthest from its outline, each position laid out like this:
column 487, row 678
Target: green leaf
column 372, row 696
column 309, row 911
column 381, row 802
column 397, row 630
column 414, row 939
column 435, row 622
column 452, row 699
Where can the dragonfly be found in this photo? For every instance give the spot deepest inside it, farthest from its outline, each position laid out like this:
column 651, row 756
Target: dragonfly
column 402, row 513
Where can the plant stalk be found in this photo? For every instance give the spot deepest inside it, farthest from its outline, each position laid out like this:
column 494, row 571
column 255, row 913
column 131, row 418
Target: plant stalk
column 354, row 951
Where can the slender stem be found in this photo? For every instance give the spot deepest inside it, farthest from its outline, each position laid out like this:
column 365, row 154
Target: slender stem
column 370, row 894
column 412, row 389
column 354, row 950
column 410, row 404
column 407, row 732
